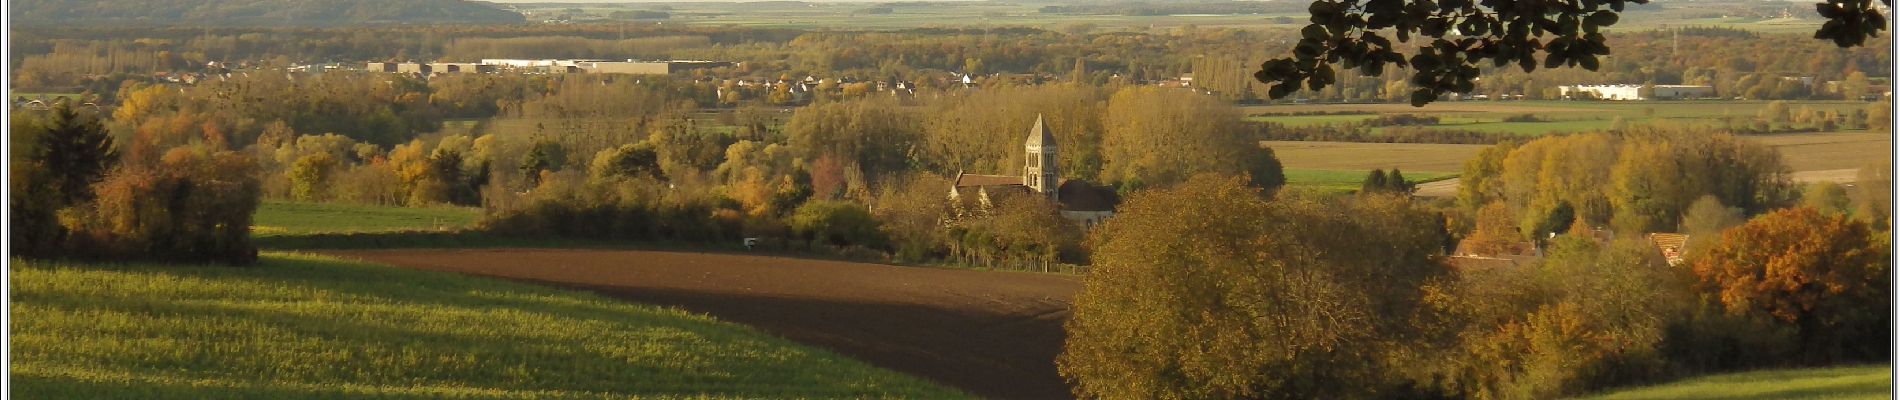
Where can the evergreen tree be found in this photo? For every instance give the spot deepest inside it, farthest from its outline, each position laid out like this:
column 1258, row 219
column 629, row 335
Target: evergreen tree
column 546, row 155
column 1375, row 182
column 76, row 151
column 1395, row 182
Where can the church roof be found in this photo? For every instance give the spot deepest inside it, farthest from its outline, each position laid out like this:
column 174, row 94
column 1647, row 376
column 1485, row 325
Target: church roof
column 971, row 180
column 1077, row 195
column 1039, row 135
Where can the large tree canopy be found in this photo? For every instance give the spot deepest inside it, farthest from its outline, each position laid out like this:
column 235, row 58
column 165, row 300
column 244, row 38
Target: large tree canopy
column 1464, row 33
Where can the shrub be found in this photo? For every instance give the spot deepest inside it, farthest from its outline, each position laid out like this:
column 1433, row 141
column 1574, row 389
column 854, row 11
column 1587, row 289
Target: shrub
column 1527, row 117
column 32, row 208
column 194, row 206
column 568, row 205
column 837, row 223
column 1402, row 120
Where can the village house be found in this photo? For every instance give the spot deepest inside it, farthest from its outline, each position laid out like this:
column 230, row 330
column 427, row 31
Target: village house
column 1671, row 246
column 1079, row 201
column 1669, row 250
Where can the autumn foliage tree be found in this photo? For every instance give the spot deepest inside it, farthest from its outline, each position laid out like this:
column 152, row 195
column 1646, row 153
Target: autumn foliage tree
column 1637, row 181
column 193, row 205
column 1181, row 305
column 1822, row 274
column 1586, row 316
column 1156, row 137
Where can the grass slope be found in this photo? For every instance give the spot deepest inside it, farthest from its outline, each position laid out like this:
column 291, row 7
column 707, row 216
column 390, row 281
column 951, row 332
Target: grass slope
column 1868, row 382
column 288, row 218
column 309, row 327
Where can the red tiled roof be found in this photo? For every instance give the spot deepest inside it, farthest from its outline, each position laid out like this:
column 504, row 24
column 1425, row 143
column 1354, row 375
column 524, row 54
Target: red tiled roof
column 969, row 180
column 1671, row 246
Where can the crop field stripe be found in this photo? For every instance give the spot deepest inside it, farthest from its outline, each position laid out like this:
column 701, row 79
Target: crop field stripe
column 993, row 334
column 279, row 218
column 309, row 327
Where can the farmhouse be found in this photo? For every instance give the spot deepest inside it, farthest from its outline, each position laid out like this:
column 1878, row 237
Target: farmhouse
column 1670, row 245
column 1077, row 200
column 1636, row 92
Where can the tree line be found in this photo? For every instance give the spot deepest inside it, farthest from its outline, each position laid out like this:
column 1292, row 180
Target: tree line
column 1213, row 289
column 100, row 59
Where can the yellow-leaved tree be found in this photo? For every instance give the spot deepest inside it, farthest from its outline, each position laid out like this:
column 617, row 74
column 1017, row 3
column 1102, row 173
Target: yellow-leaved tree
column 1210, row 290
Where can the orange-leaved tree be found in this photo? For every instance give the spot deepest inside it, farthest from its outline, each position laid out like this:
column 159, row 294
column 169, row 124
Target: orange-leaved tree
column 1823, row 274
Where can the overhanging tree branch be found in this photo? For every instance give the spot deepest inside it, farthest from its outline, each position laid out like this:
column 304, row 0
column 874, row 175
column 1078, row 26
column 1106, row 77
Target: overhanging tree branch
column 1464, row 33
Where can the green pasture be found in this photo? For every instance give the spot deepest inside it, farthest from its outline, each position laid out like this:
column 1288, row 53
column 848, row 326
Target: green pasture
column 1554, row 116
column 278, row 218
column 1311, row 120
column 1863, row 382
column 307, row 327
column 1348, row 181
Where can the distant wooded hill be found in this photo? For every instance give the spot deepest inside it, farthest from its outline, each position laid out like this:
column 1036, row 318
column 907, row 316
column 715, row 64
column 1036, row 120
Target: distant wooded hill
column 257, row 12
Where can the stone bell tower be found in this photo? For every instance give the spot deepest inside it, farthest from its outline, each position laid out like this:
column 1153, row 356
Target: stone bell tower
column 1039, row 160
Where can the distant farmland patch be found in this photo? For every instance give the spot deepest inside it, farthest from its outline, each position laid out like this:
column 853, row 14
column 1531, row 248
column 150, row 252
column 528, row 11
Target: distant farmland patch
column 1407, row 157
column 1800, row 151
column 1553, row 116
column 292, row 218
column 1348, row 180
column 1826, row 151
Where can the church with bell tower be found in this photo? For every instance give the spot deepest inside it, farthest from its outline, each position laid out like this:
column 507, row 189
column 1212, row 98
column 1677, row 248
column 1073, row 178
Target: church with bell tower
column 1077, row 200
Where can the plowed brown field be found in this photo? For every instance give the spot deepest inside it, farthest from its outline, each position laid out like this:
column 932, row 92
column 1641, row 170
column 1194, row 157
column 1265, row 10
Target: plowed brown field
column 993, row 334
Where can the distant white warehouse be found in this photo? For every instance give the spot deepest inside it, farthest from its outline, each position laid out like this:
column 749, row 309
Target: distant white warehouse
column 1635, row 92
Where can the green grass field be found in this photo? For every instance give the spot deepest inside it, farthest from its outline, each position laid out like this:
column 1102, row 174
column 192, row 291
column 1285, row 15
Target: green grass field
column 1346, row 181
column 298, row 327
column 1868, row 382
column 289, row 218
column 1558, row 116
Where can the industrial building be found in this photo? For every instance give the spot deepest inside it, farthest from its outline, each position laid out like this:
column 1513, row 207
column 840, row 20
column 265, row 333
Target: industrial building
column 648, row 67
column 1635, row 92
column 429, row 68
